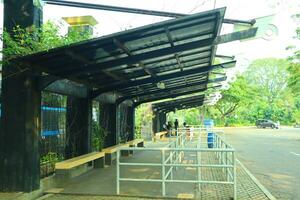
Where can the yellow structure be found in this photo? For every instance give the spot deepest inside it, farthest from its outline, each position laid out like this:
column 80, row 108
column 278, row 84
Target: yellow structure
column 81, row 20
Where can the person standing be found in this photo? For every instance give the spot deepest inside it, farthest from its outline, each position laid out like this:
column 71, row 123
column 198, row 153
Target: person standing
column 176, row 126
column 169, row 128
column 191, row 133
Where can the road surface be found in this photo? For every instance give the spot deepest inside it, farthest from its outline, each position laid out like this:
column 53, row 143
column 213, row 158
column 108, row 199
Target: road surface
column 273, row 156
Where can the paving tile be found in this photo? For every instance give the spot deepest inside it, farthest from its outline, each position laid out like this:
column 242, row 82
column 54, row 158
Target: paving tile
column 101, row 183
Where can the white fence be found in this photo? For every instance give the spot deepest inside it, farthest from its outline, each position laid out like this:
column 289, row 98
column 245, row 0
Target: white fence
column 173, row 154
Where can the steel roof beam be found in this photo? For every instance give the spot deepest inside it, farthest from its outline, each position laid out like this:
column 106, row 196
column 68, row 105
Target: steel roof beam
column 84, row 60
column 134, row 10
column 67, row 88
column 164, row 77
column 179, row 101
column 239, row 35
column 177, row 105
column 128, row 52
column 202, row 60
column 99, row 66
column 182, row 106
column 166, row 96
column 203, row 82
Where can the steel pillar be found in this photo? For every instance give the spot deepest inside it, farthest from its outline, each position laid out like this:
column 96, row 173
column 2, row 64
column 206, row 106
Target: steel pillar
column 21, row 104
column 78, row 125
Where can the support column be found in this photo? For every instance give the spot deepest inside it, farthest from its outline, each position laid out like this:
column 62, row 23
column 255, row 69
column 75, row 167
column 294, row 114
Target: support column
column 155, row 122
column 108, row 122
column 21, row 104
column 78, row 126
column 19, row 139
column 121, row 123
column 131, row 121
column 162, row 119
column 158, row 121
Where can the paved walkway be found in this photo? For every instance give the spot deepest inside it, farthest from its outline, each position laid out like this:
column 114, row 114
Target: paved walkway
column 103, row 181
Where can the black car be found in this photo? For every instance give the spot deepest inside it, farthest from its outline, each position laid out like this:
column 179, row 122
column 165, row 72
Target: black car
column 263, row 123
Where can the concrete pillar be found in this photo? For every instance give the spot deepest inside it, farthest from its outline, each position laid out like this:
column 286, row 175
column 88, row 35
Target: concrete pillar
column 162, row 120
column 155, row 123
column 78, row 126
column 19, row 143
column 131, row 121
column 158, row 121
column 121, row 123
column 108, row 121
column 21, row 104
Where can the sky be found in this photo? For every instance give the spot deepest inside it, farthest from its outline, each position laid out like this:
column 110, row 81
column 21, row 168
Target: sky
column 245, row 51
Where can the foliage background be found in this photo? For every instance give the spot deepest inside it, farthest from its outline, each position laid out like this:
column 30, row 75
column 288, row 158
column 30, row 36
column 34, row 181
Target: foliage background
column 262, row 92
column 268, row 89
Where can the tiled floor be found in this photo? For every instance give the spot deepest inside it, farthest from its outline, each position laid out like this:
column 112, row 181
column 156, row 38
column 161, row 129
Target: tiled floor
column 101, row 183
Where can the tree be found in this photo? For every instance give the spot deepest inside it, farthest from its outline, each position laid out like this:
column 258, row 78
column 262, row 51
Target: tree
column 294, row 67
column 294, row 79
column 190, row 116
column 238, row 95
column 269, row 76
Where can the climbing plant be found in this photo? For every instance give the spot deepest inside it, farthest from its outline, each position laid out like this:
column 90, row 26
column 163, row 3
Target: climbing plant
column 25, row 41
column 143, row 118
column 98, row 136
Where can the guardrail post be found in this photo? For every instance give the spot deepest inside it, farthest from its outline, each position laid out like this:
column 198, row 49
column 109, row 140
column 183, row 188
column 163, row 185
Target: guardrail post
column 234, row 176
column 163, row 172
column 171, row 161
column 227, row 169
column 198, row 169
column 220, row 153
column 118, row 172
column 224, row 157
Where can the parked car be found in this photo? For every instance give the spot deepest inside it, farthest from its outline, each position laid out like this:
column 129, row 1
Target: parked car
column 263, row 123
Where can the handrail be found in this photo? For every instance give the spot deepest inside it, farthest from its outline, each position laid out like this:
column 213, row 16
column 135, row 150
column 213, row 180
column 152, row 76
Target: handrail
column 171, row 157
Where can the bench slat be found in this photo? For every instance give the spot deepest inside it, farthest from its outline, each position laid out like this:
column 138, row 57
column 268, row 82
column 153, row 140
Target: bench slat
column 136, row 141
column 160, row 133
column 74, row 162
column 113, row 149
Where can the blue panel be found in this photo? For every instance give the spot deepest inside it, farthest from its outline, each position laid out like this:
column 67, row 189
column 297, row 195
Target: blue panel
column 208, row 122
column 49, row 133
column 54, row 108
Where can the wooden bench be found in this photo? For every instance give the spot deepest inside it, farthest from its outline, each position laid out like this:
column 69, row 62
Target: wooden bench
column 137, row 142
column 110, row 152
column 160, row 135
column 133, row 143
column 65, row 167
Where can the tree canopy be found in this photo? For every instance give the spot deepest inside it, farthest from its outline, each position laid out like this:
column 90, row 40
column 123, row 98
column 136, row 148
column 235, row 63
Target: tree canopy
column 262, row 91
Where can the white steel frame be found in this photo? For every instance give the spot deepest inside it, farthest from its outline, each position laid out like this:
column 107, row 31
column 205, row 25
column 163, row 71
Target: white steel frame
column 171, row 157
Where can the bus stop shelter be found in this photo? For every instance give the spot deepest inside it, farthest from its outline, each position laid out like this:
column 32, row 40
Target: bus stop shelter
column 122, row 70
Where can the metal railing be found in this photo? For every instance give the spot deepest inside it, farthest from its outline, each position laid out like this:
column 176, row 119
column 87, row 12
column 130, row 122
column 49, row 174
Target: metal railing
column 173, row 154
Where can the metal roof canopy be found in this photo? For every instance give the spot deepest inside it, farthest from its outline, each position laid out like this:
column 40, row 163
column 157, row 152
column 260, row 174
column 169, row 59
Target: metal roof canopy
column 132, row 61
column 182, row 103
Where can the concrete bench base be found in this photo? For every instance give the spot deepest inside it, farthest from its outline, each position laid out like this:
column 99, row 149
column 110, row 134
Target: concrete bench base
column 111, row 152
column 81, row 164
